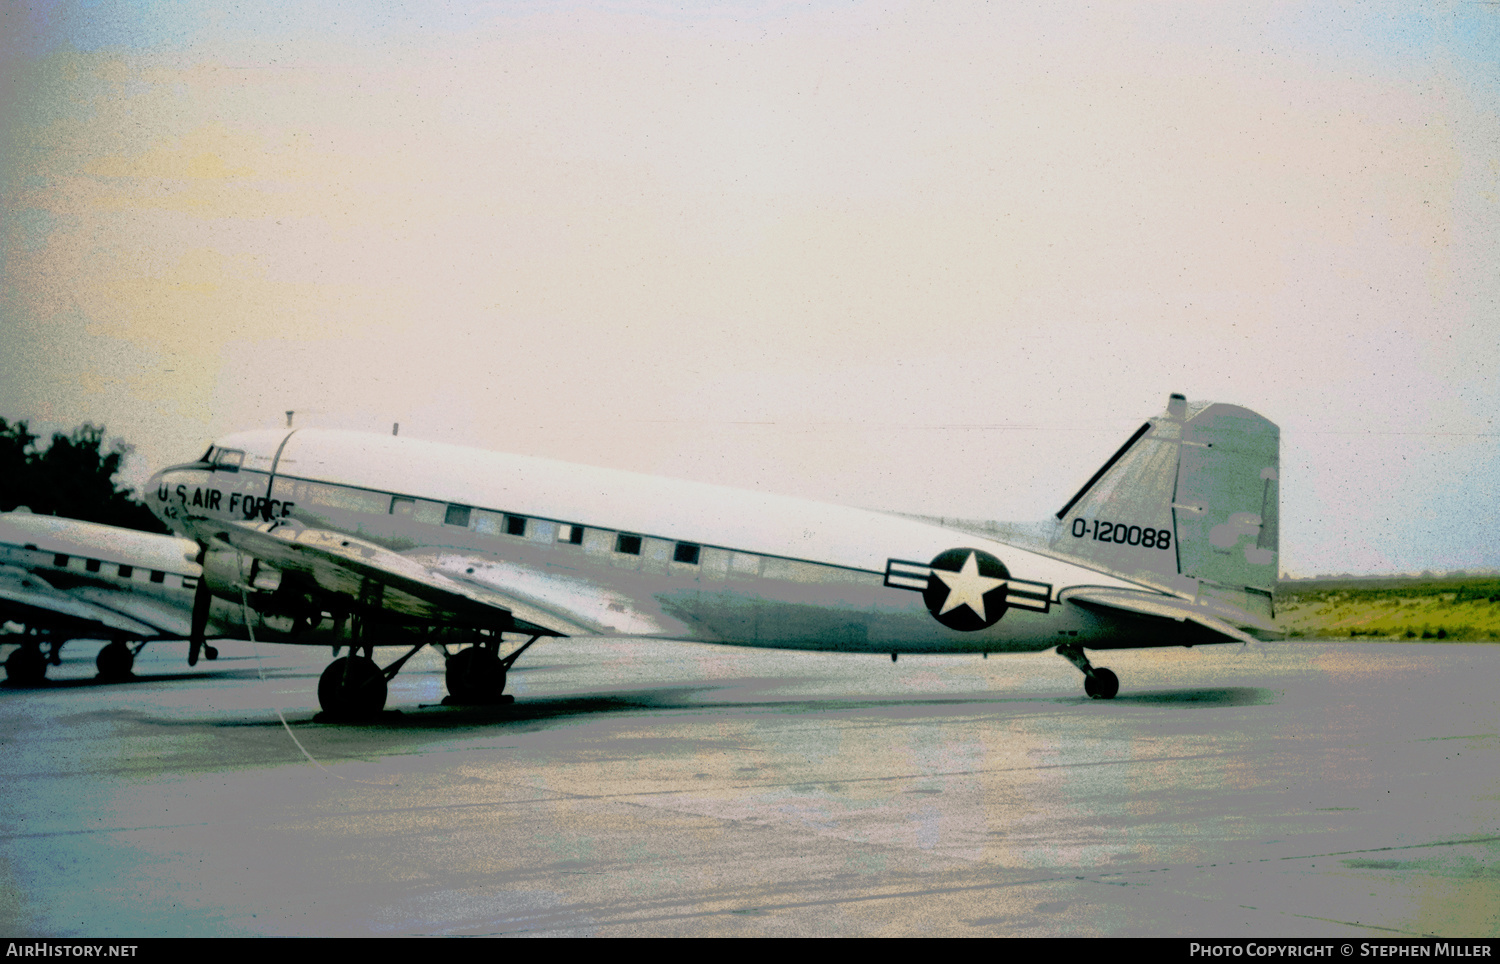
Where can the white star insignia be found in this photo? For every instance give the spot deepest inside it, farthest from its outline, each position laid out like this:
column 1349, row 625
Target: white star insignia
column 967, row 587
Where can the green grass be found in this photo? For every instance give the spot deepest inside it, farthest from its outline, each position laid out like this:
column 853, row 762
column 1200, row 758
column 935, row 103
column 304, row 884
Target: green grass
column 1458, row 609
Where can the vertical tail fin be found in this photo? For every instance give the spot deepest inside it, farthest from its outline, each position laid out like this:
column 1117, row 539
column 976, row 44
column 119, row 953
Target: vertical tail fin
column 1190, row 505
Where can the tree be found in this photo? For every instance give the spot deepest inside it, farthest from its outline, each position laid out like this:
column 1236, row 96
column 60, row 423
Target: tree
column 73, row 477
column 17, row 446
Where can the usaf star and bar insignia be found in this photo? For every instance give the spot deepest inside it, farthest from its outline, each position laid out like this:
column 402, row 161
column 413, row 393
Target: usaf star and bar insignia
column 967, row 589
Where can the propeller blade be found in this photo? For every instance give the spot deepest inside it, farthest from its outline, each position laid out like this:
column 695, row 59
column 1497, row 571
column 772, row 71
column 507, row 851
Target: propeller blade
column 202, row 597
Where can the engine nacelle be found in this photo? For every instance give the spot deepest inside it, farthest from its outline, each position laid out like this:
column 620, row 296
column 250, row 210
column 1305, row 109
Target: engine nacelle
column 268, row 591
column 228, row 572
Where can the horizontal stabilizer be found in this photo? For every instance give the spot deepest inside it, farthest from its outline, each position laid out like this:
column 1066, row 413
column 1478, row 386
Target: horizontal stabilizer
column 1161, row 607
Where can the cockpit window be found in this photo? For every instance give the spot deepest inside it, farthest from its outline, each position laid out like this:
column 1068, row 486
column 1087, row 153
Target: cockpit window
column 228, row 460
column 209, row 455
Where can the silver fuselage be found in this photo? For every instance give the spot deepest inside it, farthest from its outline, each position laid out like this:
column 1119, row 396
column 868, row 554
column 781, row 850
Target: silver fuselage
column 757, row 570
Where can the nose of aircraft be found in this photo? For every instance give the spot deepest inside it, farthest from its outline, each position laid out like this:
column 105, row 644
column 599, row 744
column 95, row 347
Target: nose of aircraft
column 158, row 495
column 168, row 491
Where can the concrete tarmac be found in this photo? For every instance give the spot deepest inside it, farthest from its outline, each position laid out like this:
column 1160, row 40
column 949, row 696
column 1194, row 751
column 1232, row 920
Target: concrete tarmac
column 1319, row 789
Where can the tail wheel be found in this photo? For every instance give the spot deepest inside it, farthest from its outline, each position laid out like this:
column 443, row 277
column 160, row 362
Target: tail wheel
column 1103, row 685
column 26, row 666
column 475, row 675
column 352, row 687
column 115, row 661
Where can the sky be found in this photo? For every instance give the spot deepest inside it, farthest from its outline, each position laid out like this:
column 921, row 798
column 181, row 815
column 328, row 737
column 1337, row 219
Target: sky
column 931, row 257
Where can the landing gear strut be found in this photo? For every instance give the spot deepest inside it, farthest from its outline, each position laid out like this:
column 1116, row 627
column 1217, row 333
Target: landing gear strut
column 353, row 687
column 1098, row 682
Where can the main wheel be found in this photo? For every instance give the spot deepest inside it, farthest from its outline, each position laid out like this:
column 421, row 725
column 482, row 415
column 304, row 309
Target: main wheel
column 352, row 687
column 26, row 666
column 475, row 675
column 1103, row 685
column 114, row 661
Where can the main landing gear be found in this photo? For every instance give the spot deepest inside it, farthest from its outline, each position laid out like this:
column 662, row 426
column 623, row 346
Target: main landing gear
column 354, row 687
column 27, row 665
column 1098, row 682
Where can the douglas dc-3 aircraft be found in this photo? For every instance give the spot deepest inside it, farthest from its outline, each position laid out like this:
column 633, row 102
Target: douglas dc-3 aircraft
column 1173, row 542
column 63, row 579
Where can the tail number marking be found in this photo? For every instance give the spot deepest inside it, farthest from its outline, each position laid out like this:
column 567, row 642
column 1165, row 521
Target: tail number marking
column 1122, row 534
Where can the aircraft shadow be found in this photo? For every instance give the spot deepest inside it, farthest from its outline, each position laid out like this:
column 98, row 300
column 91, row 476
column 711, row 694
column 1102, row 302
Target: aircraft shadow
column 92, row 681
column 1213, row 696
column 683, row 698
column 697, row 698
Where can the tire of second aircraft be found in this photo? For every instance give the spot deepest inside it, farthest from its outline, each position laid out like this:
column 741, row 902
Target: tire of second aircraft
column 115, row 661
column 26, row 666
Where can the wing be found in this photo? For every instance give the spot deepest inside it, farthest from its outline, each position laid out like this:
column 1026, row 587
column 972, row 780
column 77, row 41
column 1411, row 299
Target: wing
column 1155, row 605
column 372, row 576
column 26, row 597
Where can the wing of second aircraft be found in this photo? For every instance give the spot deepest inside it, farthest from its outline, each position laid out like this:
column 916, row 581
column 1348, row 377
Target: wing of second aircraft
column 28, row 598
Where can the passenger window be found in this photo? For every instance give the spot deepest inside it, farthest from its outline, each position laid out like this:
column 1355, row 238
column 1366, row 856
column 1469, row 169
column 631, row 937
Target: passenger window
column 515, row 525
column 158, row 576
column 402, row 507
column 60, row 560
column 630, row 545
column 429, row 513
column 570, row 534
column 457, row 515
column 92, row 565
column 686, row 552
column 126, row 571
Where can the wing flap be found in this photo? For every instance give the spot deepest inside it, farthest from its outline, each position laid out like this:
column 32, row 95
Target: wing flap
column 377, row 576
column 1157, row 606
column 562, row 596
